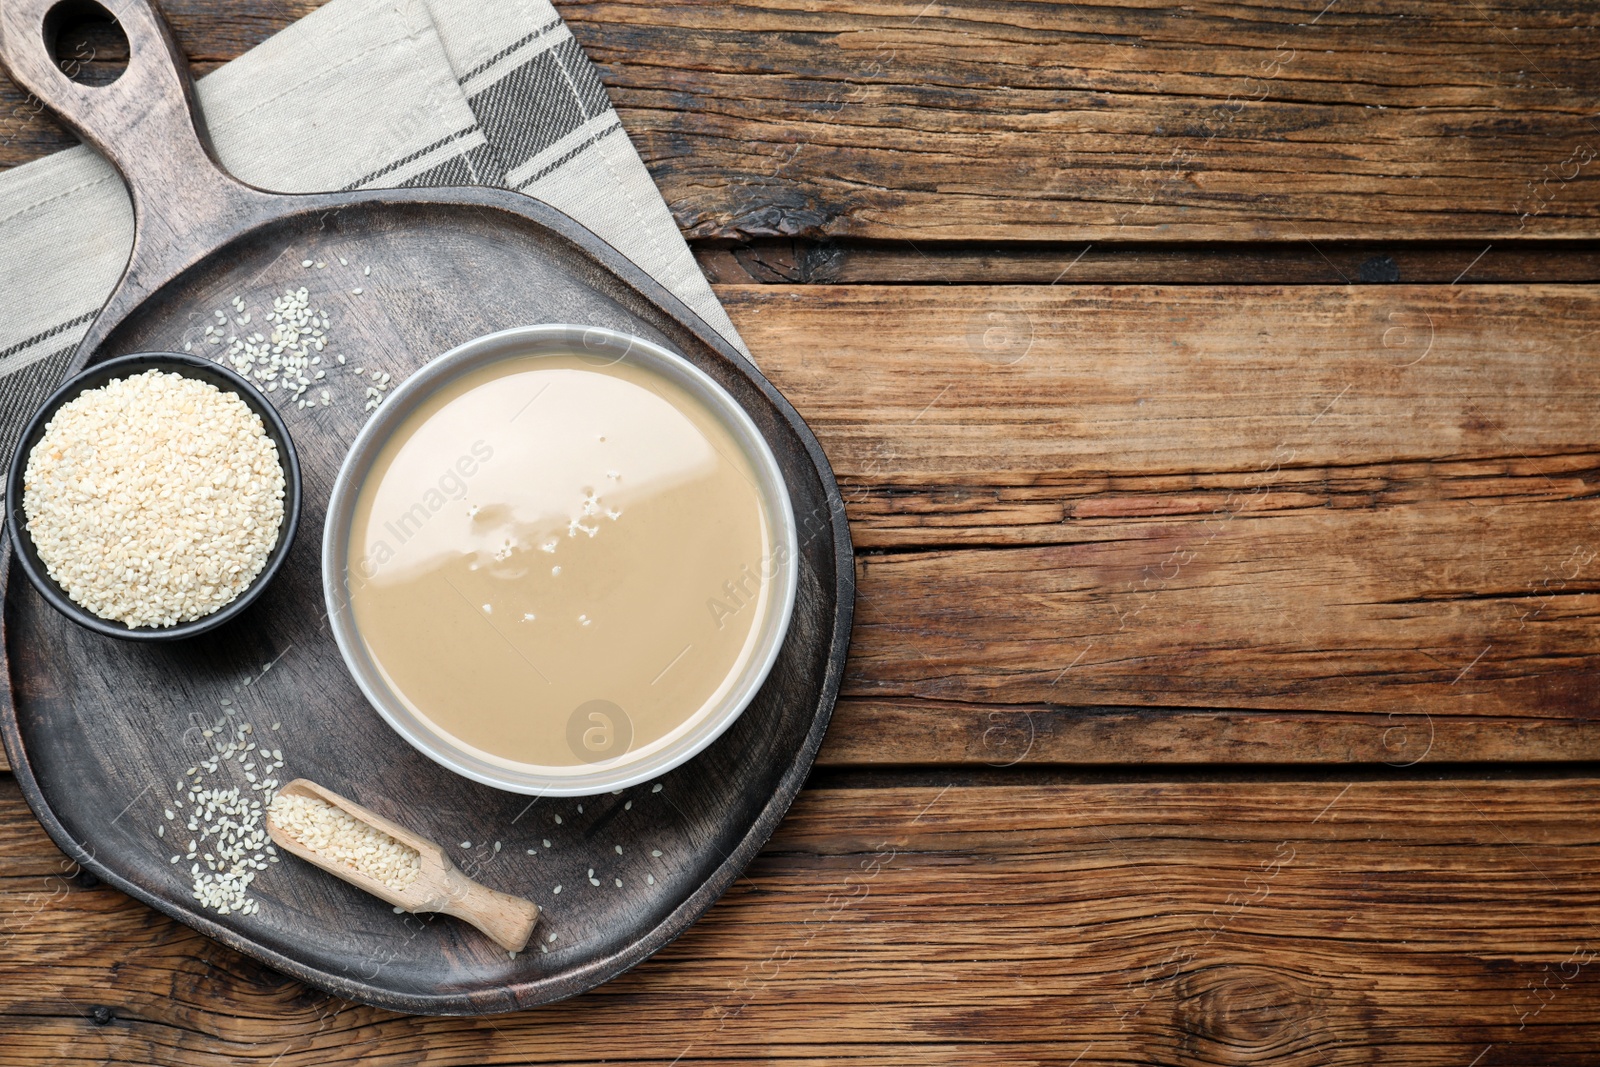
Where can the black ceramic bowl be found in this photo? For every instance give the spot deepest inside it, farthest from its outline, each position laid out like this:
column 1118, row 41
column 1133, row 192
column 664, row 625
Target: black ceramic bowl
column 121, row 367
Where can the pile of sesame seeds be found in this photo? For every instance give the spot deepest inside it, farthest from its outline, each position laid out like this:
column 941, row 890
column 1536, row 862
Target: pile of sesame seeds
column 289, row 356
column 331, row 832
column 154, row 499
column 223, row 823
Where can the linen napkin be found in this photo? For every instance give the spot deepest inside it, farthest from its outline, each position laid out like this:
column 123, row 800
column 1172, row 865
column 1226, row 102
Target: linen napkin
column 358, row 94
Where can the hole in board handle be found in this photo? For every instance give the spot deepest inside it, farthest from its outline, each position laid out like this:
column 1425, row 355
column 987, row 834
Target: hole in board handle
column 86, row 42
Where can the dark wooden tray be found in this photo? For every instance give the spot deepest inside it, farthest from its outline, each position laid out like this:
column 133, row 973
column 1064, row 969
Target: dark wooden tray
column 101, row 733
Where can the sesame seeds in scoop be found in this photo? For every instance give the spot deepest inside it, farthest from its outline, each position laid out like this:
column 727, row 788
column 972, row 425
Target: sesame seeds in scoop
column 154, row 499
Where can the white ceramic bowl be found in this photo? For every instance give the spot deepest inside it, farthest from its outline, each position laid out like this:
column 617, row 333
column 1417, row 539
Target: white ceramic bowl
column 623, row 770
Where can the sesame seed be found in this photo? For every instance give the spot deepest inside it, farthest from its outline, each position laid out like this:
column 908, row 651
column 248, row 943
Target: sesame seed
column 154, row 552
column 333, row 833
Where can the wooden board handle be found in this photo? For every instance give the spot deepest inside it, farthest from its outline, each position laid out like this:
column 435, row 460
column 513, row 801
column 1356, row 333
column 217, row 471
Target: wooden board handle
column 508, row 920
column 146, row 123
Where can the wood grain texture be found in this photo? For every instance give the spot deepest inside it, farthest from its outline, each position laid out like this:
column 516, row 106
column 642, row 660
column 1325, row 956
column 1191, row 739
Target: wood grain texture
column 1184, row 923
column 792, row 261
column 1353, row 523
column 1025, row 121
column 1019, row 121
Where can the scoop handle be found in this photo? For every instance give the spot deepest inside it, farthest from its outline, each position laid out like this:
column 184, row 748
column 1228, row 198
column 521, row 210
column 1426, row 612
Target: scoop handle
column 146, row 123
column 508, row 920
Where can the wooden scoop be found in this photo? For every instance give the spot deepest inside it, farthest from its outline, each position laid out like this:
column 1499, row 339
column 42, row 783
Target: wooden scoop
column 440, row 887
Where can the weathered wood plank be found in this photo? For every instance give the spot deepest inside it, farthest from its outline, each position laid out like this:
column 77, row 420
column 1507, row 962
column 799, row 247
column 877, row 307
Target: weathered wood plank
column 997, row 387
column 1375, row 506
column 1301, row 922
column 979, row 120
column 1025, row 121
column 889, row 732
column 789, row 261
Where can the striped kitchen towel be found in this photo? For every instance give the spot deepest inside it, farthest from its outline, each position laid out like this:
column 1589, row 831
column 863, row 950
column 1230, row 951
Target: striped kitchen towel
column 359, row 94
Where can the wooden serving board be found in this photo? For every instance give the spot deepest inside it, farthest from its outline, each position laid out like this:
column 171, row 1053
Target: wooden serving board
column 103, row 734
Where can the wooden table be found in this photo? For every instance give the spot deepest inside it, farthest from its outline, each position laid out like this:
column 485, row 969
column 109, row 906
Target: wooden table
column 1211, row 389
